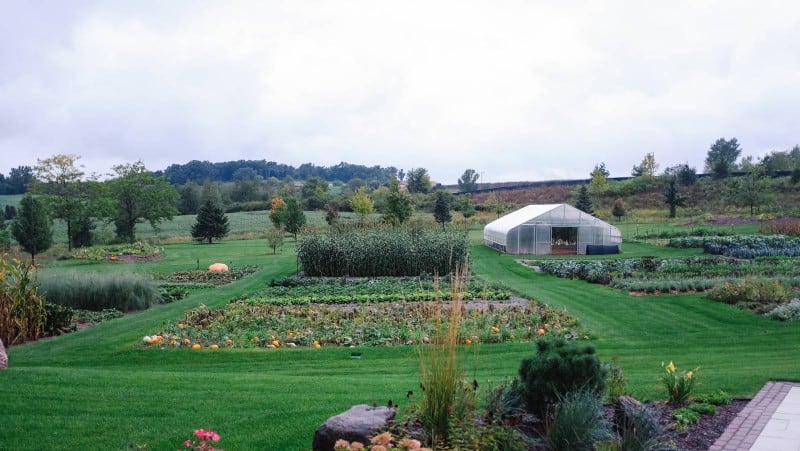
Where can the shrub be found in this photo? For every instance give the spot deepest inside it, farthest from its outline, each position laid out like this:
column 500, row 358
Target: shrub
column 759, row 295
column 615, row 380
column 786, row 312
column 125, row 291
column 22, row 310
column 57, row 317
column 577, row 422
column 559, row 368
column 716, row 398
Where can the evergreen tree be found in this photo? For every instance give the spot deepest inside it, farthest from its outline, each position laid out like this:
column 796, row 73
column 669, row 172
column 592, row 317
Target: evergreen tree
column 441, row 208
column 673, row 197
column 584, row 203
column 295, row 218
column 211, row 223
column 31, row 229
column 619, row 209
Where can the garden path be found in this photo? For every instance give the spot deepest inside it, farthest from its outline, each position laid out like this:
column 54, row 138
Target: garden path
column 769, row 422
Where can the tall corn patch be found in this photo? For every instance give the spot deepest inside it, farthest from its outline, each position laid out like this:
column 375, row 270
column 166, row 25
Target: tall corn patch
column 22, row 313
column 383, row 251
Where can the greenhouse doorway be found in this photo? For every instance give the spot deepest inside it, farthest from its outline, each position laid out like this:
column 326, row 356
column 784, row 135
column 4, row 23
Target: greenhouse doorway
column 564, row 241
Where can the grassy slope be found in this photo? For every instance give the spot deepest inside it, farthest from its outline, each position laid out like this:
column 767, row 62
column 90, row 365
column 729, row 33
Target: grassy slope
column 97, row 390
column 737, row 351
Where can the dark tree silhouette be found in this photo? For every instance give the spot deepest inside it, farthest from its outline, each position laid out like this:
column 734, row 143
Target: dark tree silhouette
column 211, row 223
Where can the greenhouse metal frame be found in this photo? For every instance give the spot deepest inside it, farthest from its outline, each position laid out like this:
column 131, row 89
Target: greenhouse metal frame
column 551, row 229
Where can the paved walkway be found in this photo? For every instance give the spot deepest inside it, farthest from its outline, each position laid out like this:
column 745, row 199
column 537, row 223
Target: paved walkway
column 769, row 422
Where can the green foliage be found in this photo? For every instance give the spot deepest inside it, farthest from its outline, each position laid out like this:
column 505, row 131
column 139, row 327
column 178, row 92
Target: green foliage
column 468, row 182
column 125, row 291
column 315, row 193
column 211, row 223
column 418, row 181
column 399, row 206
column 97, row 253
column 721, row 157
column 140, row 196
column 295, row 219
column 703, row 408
column 361, row 203
column 619, row 210
column 615, row 380
column 684, row 417
column 504, row 401
column 381, row 252
column 31, row 229
column 673, row 197
column 584, row 202
column 57, row 317
column 277, row 212
column 275, row 240
column 577, row 422
column 786, row 312
column 558, row 368
column 22, row 308
column 441, row 208
column 679, row 385
column 717, row 398
column 759, row 295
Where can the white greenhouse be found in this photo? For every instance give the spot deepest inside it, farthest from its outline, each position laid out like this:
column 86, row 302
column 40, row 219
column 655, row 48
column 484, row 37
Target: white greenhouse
column 558, row 229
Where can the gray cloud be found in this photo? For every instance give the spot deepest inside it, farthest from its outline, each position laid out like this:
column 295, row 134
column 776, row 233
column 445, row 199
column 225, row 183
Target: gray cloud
column 516, row 90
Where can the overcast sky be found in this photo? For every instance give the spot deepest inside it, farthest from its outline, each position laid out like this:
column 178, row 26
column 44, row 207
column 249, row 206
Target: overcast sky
column 528, row 90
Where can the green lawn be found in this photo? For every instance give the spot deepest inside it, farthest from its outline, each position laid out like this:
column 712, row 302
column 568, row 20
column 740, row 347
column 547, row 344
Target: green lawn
column 97, row 389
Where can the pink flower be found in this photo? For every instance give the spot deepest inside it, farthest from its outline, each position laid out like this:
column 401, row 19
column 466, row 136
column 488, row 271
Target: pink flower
column 356, row 446
column 384, row 439
column 410, row 444
column 379, row 448
column 214, row 436
column 187, row 443
column 341, row 445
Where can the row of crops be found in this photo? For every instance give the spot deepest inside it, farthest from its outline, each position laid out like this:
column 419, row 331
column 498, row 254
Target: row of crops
column 742, row 246
column 302, row 291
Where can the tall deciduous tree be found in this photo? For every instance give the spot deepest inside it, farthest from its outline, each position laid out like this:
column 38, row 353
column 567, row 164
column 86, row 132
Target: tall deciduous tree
column 721, row 157
column 419, row 181
column 599, row 178
column 673, row 196
column 754, row 189
column 295, row 217
column 362, row 204
column 584, row 202
column 468, row 182
column 441, row 207
column 277, row 212
column 399, row 207
column 647, row 168
column 211, row 223
column 140, row 196
column 70, row 197
column 315, row 193
column 31, row 229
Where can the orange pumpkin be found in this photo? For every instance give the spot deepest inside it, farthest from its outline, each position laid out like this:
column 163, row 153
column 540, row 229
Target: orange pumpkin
column 541, row 331
column 214, row 346
column 197, row 346
column 218, row 267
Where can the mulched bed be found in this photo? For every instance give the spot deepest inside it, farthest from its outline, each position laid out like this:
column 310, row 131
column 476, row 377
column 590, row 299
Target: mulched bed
column 702, row 435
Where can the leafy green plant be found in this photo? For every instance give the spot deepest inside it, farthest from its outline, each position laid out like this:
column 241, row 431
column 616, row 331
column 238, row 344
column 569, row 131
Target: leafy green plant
column 717, row 398
column 577, row 422
column 679, row 385
column 615, row 380
column 684, row 417
column 57, row 316
column 703, row 408
column 558, row 368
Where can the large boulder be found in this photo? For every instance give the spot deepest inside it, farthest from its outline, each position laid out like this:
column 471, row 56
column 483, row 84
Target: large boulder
column 357, row 424
column 3, row 357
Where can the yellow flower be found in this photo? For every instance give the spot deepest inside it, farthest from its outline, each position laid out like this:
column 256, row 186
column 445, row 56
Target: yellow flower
column 690, row 375
column 670, row 367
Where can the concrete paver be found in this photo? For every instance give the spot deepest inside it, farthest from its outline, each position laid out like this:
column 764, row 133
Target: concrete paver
column 769, row 422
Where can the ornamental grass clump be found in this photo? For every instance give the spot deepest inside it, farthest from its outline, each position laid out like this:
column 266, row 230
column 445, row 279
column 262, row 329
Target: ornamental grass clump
column 577, row 422
column 442, row 376
column 679, row 385
column 125, row 291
